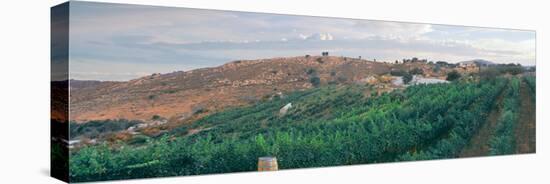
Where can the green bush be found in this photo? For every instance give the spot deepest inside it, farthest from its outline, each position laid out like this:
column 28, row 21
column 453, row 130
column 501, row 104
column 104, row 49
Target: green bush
column 503, row 141
column 315, row 81
column 326, row 126
column 407, row 78
column 453, row 75
column 398, row 72
column 95, row 129
column 416, row 71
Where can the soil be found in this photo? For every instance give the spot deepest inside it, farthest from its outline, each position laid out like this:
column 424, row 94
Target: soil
column 525, row 131
column 234, row 84
column 479, row 144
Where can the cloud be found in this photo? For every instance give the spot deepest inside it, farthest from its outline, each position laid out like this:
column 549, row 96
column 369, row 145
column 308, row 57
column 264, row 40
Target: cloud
column 159, row 38
column 317, row 36
column 392, row 30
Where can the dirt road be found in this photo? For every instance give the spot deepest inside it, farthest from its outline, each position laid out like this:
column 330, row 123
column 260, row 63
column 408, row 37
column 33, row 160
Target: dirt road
column 525, row 131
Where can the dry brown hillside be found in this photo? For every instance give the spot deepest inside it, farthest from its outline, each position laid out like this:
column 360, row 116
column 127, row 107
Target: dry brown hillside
column 179, row 95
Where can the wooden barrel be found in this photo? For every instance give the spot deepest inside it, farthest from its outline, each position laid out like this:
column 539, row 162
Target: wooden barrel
column 267, row 164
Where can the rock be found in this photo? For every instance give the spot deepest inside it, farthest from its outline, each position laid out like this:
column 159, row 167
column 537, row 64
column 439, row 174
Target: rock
column 284, row 110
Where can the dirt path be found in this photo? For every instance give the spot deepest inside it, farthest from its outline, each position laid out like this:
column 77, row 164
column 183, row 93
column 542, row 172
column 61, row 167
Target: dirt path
column 525, row 131
column 479, row 144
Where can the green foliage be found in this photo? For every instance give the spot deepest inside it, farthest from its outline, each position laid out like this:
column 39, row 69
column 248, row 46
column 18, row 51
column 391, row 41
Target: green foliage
column 342, row 79
column 138, row 140
column 531, row 82
column 416, row 71
column 171, row 91
column 94, row 129
column 500, row 69
column 512, row 69
column 407, row 78
column 464, row 119
column 453, row 75
column 311, row 71
column 503, row 141
column 489, row 73
column 155, row 117
column 398, row 72
column 326, row 126
column 315, row 81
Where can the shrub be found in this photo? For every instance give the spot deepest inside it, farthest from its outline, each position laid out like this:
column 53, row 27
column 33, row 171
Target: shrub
column 327, row 126
column 198, row 109
column 315, row 81
column 489, row 73
column 398, row 72
column 155, row 117
column 416, row 71
column 407, row 77
column 96, row 129
column 311, row 71
column 453, row 75
column 342, row 79
column 138, row 139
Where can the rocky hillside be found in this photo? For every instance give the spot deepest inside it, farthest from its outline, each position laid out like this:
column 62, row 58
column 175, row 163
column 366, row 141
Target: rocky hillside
column 181, row 95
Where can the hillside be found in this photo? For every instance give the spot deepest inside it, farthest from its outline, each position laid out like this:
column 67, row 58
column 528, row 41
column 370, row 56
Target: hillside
column 325, row 126
column 184, row 94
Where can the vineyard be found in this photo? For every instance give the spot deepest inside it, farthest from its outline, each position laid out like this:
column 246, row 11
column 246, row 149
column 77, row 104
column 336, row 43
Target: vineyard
column 326, row 126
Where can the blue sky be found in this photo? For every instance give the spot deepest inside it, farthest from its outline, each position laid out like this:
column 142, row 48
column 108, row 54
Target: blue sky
column 122, row 42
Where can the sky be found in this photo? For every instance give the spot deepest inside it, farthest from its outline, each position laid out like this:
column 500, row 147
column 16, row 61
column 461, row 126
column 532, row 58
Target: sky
column 118, row 42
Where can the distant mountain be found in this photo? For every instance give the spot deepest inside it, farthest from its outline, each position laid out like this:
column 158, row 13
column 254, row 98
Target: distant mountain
column 478, row 62
column 181, row 95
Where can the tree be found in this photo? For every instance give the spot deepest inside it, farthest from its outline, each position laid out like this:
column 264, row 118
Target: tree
column 155, row 117
column 515, row 70
column 311, row 71
column 397, row 72
column 342, row 79
column 437, row 68
column 407, row 77
column 416, row 71
column 489, row 73
column 454, row 75
column 315, row 80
